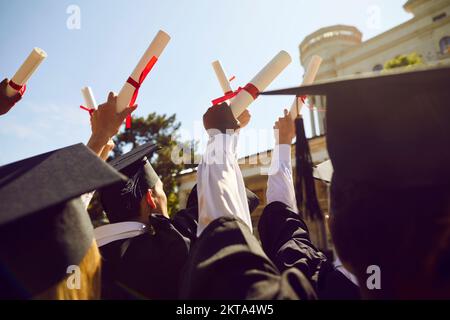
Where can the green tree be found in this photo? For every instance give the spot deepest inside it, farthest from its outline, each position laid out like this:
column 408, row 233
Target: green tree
column 404, row 60
column 163, row 131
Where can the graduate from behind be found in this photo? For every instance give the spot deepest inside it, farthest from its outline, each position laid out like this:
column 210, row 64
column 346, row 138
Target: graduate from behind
column 227, row 261
column 283, row 232
column 387, row 137
column 47, row 244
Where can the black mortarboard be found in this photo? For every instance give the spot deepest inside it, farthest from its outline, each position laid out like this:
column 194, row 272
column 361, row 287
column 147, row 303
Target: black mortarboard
column 134, row 157
column 43, row 227
column 121, row 199
column 391, row 130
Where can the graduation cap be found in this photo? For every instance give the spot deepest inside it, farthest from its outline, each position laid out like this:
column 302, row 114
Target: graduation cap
column 44, row 227
column 122, row 199
column 391, row 130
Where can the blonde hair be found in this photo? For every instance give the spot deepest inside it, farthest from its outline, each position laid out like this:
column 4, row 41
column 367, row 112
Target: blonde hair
column 90, row 280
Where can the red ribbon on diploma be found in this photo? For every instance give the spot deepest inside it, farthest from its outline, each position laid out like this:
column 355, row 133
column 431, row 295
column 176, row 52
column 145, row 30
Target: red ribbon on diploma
column 18, row 87
column 91, row 111
column 303, row 98
column 138, row 84
column 249, row 87
column 311, row 107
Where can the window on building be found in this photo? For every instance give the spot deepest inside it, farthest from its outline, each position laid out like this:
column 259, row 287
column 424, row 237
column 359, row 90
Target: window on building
column 378, row 67
column 444, row 44
column 439, row 16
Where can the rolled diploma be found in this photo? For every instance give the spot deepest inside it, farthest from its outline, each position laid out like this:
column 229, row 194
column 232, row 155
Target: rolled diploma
column 155, row 48
column 310, row 76
column 25, row 71
column 261, row 81
column 222, row 77
column 89, row 98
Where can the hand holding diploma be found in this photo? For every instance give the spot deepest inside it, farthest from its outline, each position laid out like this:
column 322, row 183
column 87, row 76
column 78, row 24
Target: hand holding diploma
column 259, row 83
column 245, row 117
column 18, row 82
column 310, row 76
column 129, row 92
column 89, row 100
column 7, row 102
column 105, row 123
column 91, row 106
column 219, row 119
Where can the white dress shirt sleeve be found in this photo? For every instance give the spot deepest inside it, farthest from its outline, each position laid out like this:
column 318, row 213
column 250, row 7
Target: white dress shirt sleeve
column 221, row 189
column 280, row 185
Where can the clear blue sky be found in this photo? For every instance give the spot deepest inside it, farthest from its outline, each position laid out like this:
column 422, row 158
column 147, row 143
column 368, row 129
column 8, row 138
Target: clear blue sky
column 243, row 34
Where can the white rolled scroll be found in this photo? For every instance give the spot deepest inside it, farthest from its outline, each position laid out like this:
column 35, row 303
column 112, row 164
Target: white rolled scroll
column 25, row 71
column 310, row 76
column 222, row 77
column 89, row 98
column 155, row 49
column 261, row 81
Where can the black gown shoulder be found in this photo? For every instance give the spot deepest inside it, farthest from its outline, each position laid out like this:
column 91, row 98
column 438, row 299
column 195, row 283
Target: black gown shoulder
column 227, row 262
column 285, row 239
column 145, row 267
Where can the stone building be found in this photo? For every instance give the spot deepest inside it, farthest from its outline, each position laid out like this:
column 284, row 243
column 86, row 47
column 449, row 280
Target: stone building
column 344, row 53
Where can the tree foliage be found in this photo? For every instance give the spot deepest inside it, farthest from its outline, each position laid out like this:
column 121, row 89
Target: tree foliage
column 404, row 60
column 163, row 131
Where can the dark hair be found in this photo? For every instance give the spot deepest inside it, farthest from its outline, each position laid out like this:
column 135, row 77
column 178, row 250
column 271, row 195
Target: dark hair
column 121, row 201
column 404, row 232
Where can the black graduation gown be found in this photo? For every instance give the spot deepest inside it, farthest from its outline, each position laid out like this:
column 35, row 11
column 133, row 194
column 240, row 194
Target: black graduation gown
column 227, row 262
column 148, row 266
column 185, row 221
column 285, row 239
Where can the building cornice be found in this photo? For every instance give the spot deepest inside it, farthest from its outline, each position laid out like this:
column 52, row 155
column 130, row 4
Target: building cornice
column 388, row 45
column 344, row 32
column 410, row 5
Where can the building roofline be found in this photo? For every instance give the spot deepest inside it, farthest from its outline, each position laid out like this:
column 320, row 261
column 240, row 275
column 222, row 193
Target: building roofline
column 305, row 44
column 392, row 30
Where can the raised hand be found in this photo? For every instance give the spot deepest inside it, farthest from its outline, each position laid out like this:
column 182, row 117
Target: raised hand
column 284, row 129
column 6, row 103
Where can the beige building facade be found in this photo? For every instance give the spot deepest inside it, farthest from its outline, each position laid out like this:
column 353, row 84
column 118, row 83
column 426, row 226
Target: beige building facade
column 344, row 53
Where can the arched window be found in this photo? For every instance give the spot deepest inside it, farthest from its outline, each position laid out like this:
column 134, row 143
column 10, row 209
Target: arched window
column 378, row 67
column 444, row 44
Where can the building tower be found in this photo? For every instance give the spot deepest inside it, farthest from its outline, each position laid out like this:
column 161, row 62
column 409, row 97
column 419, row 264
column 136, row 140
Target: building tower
column 327, row 43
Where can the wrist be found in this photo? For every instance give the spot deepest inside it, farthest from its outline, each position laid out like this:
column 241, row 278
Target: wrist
column 99, row 138
column 96, row 143
column 282, row 152
column 281, row 141
column 284, row 139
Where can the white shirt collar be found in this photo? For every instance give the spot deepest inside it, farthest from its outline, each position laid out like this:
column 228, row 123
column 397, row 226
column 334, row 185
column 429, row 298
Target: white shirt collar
column 118, row 231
